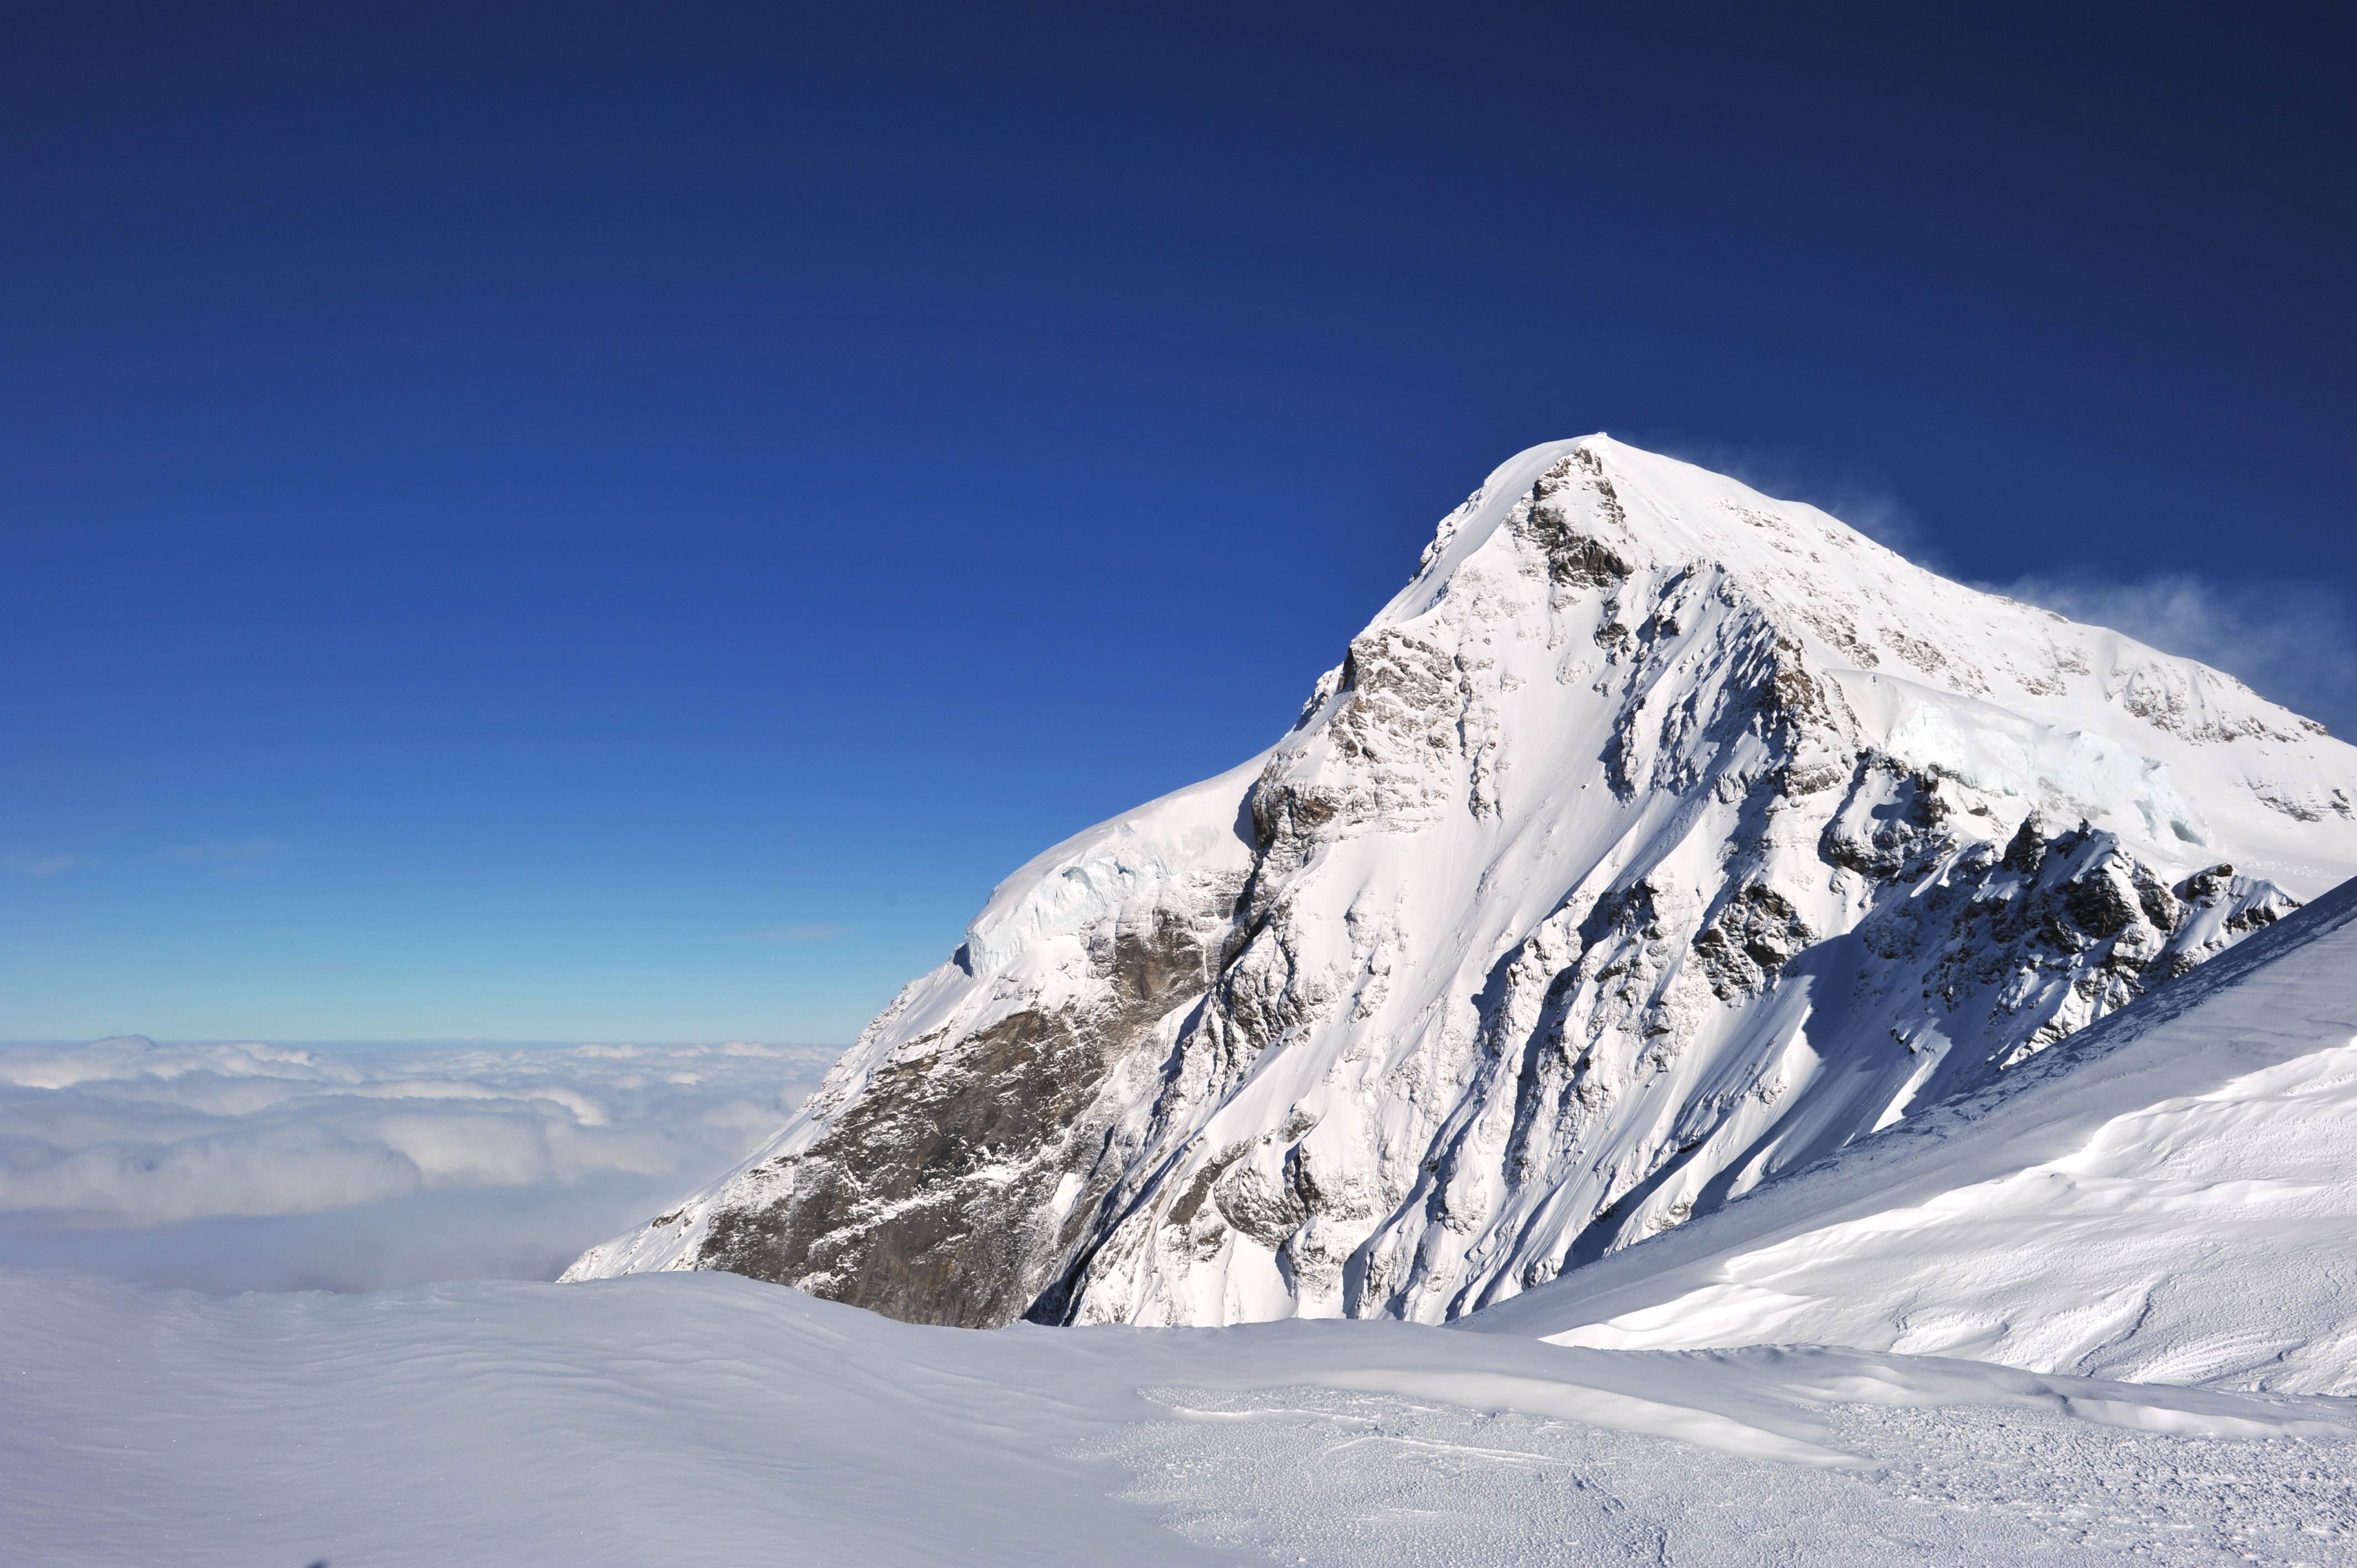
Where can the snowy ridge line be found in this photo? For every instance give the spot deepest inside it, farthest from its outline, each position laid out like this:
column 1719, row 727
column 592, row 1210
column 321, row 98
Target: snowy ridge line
column 1657, row 838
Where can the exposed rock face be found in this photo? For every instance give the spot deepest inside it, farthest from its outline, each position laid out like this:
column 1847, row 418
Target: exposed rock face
column 1657, row 837
column 938, row 1191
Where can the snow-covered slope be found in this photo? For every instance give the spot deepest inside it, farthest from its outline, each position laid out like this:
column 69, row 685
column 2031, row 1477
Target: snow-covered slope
column 2170, row 1195
column 1658, row 837
column 699, row 1419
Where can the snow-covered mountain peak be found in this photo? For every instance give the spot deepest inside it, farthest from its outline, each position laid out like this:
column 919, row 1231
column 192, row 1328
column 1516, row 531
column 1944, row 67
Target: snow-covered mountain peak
column 1656, row 836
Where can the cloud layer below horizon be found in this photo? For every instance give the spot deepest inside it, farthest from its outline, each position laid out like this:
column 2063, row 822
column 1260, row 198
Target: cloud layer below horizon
column 256, row 1166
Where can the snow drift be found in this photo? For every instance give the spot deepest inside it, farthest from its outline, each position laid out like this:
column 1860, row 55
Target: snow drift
column 1658, row 837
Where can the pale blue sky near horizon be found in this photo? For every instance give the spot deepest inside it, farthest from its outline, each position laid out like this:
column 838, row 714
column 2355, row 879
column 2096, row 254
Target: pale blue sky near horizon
column 572, row 523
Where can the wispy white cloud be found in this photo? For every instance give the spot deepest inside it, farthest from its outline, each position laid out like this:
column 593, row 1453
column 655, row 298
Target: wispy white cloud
column 106, row 1147
column 42, row 864
column 2292, row 643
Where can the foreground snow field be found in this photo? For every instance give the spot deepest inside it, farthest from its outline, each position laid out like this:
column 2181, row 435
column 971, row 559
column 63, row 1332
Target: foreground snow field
column 702, row 1418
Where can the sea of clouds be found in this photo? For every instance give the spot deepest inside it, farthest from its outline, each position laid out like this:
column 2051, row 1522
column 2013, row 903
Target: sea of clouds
column 252, row 1166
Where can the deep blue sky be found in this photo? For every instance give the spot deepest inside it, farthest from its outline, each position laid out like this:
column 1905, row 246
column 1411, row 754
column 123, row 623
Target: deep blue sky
column 593, row 522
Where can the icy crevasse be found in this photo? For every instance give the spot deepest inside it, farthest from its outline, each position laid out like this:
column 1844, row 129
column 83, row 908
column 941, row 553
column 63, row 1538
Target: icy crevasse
column 1658, row 837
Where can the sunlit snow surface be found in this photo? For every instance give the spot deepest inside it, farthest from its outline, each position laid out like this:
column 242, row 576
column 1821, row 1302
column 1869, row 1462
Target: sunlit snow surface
column 2170, row 1195
column 700, row 1418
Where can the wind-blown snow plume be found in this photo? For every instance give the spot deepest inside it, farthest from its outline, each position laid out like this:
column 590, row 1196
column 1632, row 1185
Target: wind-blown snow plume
column 2295, row 644
column 1658, row 837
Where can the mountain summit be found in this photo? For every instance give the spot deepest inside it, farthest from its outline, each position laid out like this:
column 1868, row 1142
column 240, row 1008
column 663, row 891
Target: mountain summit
column 1657, row 837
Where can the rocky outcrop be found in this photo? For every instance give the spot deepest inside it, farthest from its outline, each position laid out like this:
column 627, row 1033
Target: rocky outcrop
column 1658, row 837
column 937, row 1192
